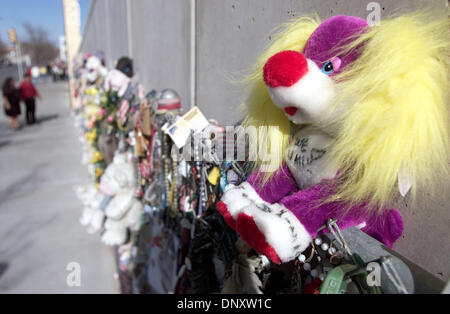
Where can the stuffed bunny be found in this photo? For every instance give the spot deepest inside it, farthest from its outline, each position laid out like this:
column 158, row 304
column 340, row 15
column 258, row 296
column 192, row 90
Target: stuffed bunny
column 124, row 210
column 350, row 115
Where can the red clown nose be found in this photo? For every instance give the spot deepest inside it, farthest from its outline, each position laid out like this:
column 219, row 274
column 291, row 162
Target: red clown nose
column 285, row 69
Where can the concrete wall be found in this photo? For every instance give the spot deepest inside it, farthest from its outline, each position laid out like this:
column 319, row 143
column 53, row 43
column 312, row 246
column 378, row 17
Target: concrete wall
column 228, row 36
column 106, row 30
column 116, row 35
column 161, row 44
column 232, row 33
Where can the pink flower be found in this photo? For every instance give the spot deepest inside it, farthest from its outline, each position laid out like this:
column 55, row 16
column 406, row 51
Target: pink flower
column 102, row 112
column 110, row 119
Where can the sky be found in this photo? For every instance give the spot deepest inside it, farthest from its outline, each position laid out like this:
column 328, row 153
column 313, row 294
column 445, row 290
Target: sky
column 46, row 13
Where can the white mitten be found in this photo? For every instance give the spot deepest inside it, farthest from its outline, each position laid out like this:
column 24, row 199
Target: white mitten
column 237, row 198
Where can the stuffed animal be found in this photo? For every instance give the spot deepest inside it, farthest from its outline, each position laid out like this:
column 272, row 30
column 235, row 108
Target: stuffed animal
column 92, row 216
column 348, row 115
column 94, row 70
column 117, row 81
column 124, row 210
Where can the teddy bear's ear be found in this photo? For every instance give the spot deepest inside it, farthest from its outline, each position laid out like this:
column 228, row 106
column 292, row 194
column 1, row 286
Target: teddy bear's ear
column 404, row 182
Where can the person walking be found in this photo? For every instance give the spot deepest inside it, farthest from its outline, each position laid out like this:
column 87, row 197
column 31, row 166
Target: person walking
column 36, row 74
column 29, row 93
column 55, row 72
column 11, row 102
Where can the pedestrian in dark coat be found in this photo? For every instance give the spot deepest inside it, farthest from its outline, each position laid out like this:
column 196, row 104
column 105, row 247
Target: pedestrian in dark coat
column 11, row 102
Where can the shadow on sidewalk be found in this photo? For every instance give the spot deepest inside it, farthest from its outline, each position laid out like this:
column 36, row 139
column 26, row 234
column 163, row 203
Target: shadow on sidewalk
column 6, row 131
column 4, row 143
column 3, row 267
column 45, row 118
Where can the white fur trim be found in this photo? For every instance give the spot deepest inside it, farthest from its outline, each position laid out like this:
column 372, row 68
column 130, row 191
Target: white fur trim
column 312, row 95
column 237, row 198
column 282, row 230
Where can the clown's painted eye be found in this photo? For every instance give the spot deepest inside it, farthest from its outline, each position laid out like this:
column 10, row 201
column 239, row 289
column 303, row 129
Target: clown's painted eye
column 328, row 68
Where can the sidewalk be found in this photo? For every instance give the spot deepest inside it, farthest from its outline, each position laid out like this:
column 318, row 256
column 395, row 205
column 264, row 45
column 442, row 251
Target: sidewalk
column 39, row 212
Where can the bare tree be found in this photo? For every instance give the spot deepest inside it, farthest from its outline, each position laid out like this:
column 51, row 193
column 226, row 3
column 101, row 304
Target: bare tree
column 38, row 45
column 3, row 47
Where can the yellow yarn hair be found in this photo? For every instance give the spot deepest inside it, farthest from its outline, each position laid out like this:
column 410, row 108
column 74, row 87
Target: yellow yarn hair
column 395, row 116
column 397, row 119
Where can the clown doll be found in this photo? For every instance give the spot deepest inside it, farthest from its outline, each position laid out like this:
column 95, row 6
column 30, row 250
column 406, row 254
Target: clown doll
column 358, row 114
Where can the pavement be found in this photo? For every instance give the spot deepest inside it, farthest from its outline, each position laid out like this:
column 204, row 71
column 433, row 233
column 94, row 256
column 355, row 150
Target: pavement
column 43, row 247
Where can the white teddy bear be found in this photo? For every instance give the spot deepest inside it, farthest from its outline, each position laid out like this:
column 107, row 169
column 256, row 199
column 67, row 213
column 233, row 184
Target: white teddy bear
column 124, row 210
column 94, row 69
column 92, row 216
